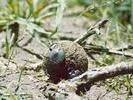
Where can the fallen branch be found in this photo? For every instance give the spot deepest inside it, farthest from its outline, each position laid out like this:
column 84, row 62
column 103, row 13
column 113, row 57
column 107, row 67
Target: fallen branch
column 93, row 30
column 98, row 49
column 124, row 53
column 126, row 47
column 95, row 75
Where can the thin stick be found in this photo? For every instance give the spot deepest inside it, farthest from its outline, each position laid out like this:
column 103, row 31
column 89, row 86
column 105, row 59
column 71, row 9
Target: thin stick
column 127, row 54
column 107, row 72
column 96, row 75
column 98, row 49
column 91, row 31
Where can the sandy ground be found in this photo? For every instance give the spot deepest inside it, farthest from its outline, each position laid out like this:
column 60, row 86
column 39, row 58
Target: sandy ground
column 32, row 84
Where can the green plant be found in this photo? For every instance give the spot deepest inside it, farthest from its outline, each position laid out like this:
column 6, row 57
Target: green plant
column 36, row 10
column 7, row 44
column 31, row 13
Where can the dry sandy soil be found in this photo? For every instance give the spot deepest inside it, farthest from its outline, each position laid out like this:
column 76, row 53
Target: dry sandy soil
column 33, row 83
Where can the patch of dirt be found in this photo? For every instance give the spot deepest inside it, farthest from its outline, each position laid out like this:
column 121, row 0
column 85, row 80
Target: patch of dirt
column 32, row 83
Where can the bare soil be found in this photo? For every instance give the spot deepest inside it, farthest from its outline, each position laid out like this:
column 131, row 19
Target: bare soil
column 32, row 84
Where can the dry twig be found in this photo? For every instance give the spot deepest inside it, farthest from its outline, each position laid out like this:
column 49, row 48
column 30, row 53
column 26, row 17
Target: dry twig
column 98, row 49
column 96, row 75
column 93, row 30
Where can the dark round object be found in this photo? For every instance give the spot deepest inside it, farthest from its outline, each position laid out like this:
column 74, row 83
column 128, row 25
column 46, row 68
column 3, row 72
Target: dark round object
column 65, row 60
